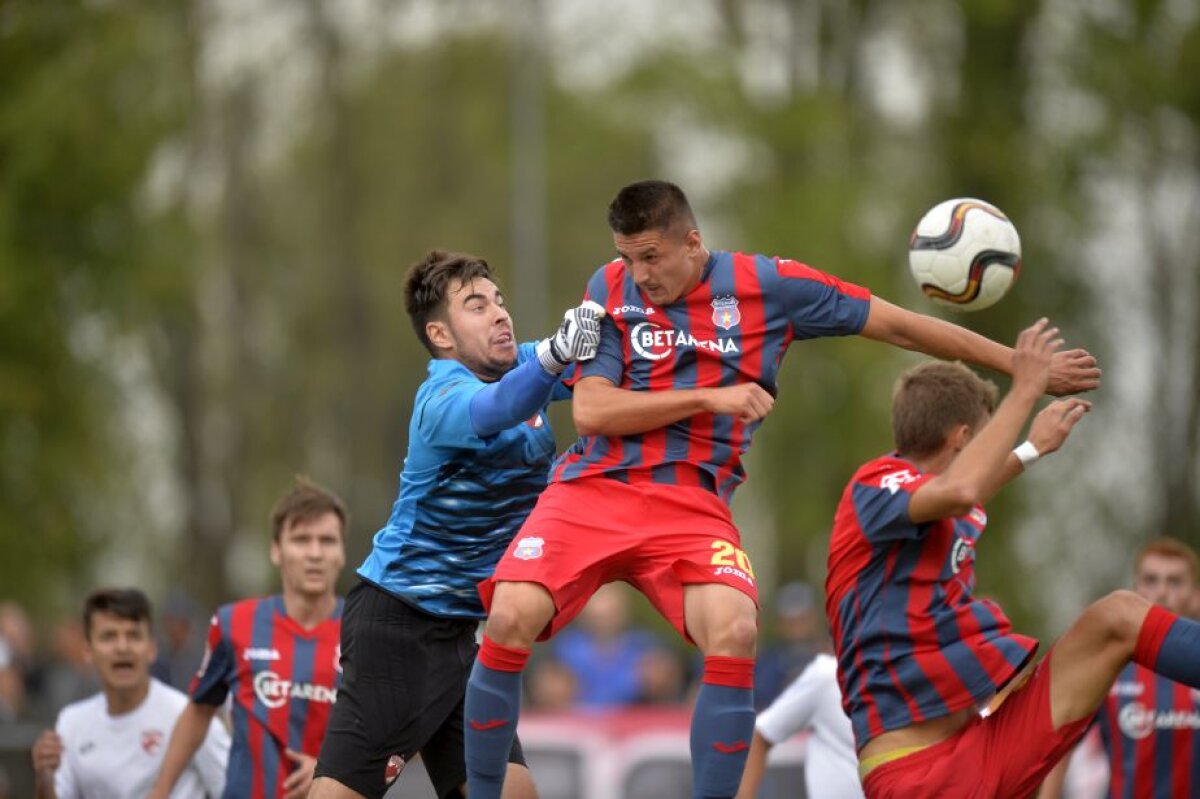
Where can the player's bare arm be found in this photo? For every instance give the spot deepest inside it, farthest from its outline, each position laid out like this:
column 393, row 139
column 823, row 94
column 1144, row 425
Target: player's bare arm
column 1071, row 371
column 986, row 462
column 186, row 738
column 601, row 409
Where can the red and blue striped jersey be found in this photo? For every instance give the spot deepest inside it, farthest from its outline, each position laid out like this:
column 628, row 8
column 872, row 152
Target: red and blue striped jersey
column 733, row 328
column 283, row 680
column 1150, row 726
column 912, row 642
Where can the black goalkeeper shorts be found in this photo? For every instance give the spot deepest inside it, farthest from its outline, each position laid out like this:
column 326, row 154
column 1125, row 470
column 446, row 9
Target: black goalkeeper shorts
column 404, row 680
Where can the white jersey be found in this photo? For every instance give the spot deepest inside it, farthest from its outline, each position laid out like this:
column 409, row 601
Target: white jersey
column 118, row 757
column 813, row 701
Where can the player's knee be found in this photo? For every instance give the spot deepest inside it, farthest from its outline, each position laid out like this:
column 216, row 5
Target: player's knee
column 518, row 614
column 737, row 638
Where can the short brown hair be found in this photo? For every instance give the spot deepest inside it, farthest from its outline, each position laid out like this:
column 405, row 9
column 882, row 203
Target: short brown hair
column 130, row 604
column 426, row 283
column 1168, row 547
column 932, row 398
column 303, row 501
column 649, row 205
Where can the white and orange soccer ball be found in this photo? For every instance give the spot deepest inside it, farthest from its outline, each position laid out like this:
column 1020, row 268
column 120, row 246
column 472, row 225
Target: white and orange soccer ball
column 965, row 254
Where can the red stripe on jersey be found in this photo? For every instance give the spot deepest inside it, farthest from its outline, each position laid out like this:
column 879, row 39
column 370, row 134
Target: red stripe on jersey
column 934, row 665
column 323, row 673
column 754, row 327
column 279, row 718
column 708, row 375
column 1143, row 759
column 795, row 269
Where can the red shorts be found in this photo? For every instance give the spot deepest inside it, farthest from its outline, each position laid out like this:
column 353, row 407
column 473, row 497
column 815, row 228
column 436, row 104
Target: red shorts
column 1006, row 754
column 595, row 530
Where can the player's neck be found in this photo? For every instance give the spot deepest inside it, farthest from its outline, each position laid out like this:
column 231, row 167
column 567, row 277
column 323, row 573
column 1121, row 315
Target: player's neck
column 935, row 463
column 120, row 701
column 308, row 611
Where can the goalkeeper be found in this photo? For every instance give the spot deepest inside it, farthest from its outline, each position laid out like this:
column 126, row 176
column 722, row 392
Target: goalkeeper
column 479, row 452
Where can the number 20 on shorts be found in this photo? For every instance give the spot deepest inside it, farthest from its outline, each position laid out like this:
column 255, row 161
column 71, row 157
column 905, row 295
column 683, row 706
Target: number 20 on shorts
column 726, row 554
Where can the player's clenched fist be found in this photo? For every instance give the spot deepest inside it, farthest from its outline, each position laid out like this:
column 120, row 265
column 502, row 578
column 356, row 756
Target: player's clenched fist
column 47, row 753
column 749, row 402
column 575, row 340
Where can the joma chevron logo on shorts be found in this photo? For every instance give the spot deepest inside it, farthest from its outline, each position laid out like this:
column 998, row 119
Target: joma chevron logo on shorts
column 484, row 726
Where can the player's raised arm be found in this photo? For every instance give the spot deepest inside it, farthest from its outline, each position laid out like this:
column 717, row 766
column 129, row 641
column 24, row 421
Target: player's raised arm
column 1071, row 371
column 987, row 461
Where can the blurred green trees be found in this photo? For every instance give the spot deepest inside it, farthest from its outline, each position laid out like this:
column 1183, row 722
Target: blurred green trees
column 206, row 212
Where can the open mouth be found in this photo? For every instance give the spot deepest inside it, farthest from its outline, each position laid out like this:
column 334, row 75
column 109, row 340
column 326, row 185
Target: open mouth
column 123, row 667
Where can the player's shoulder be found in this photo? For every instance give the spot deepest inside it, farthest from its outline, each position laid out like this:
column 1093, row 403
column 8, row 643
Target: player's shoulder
column 886, row 469
column 81, row 714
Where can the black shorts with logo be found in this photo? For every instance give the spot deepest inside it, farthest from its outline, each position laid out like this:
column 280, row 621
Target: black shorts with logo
column 404, row 680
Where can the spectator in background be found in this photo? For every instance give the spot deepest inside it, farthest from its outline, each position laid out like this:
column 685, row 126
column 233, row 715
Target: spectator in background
column 112, row 744
column 179, row 647
column 606, row 654
column 800, row 636
column 69, row 675
column 17, row 676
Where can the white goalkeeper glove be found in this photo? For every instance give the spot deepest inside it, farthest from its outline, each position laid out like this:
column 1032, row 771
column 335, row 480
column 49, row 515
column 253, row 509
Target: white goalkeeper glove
column 575, row 340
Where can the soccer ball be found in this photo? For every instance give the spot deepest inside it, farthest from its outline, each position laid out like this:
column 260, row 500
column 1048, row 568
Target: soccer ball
column 965, row 254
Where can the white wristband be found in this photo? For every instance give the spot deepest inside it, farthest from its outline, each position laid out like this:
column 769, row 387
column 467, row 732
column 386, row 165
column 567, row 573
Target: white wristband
column 1026, row 453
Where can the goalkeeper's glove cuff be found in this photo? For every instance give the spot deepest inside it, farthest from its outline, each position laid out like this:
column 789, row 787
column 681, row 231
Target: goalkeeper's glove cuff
column 549, row 357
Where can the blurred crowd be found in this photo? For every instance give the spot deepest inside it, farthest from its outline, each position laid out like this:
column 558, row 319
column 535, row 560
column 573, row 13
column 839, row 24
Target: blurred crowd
column 604, row 660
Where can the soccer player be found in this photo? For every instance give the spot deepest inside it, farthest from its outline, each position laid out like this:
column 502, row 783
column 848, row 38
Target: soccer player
column 479, row 451
column 812, row 701
column 112, row 744
column 1150, row 725
column 917, row 653
column 685, row 372
column 276, row 657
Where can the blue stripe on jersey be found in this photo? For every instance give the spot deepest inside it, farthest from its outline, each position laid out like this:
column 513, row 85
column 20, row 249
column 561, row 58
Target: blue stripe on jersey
column 461, row 499
column 304, row 652
column 263, row 636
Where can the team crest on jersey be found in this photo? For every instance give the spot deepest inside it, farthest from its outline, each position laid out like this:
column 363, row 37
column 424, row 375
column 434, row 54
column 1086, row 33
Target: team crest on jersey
column 894, row 480
column 725, row 313
column 529, row 548
column 961, row 553
column 151, row 741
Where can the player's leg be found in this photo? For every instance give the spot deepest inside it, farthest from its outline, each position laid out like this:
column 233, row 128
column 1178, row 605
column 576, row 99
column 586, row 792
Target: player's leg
column 444, row 762
column 518, row 613
column 1112, row 631
column 403, row 672
column 723, row 621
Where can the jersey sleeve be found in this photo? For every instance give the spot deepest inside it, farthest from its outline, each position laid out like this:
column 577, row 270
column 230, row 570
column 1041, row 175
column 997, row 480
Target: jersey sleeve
column 796, row 707
column 818, row 304
column 211, row 684
column 881, row 496
column 518, row 395
column 212, row 758
column 609, row 362
column 444, row 414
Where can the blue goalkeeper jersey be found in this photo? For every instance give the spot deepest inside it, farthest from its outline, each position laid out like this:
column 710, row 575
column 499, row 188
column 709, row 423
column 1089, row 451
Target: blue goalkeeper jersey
column 462, row 497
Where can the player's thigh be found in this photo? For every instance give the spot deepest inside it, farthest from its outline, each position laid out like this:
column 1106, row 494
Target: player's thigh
column 1090, row 655
column 444, row 756
column 721, row 619
column 404, row 672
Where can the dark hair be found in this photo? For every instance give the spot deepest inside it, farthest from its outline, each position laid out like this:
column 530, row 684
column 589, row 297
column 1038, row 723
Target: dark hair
column 1168, row 547
column 932, row 398
column 649, row 205
column 303, row 501
column 124, row 603
column 426, row 282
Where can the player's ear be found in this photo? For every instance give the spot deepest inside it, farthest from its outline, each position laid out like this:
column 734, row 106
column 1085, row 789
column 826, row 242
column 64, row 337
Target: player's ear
column 275, row 554
column 960, row 436
column 692, row 241
column 438, row 333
